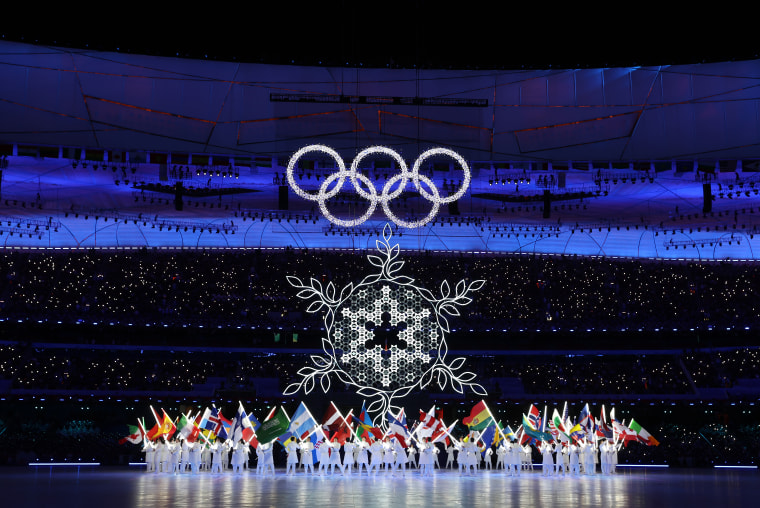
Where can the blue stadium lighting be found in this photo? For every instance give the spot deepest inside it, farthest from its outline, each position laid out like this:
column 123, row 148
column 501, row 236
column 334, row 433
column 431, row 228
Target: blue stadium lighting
column 644, row 465
column 735, row 467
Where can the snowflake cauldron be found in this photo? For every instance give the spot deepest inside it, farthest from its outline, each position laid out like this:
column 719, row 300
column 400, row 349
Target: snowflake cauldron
column 385, row 336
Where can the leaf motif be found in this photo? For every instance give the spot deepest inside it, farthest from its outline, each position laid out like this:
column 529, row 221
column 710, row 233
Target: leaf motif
column 443, row 323
column 387, row 232
column 479, row 389
column 319, row 361
column 443, row 349
column 441, row 378
column 346, row 290
column 457, row 363
column 395, row 266
column 375, row 406
column 294, row 281
column 426, row 378
column 380, row 246
column 375, row 260
column 315, row 306
column 291, row 389
column 450, row 310
column 427, row 294
column 457, row 386
column 467, row 377
column 367, row 391
column 325, row 382
column 316, row 285
column 345, row 378
column 463, row 300
column 305, row 293
column 460, row 287
column 403, row 280
column 445, row 289
column 309, row 384
column 370, row 279
column 330, row 291
column 476, row 285
column 394, row 251
column 327, row 346
column 306, row 371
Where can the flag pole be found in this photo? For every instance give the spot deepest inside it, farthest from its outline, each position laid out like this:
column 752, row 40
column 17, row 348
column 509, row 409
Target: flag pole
column 493, row 418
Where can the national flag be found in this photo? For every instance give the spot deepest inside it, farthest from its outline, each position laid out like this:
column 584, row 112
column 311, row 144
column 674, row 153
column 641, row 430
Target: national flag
column 621, row 430
column 642, row 434
column 206, row 422
column 195, row 432
column 443, row 436
column 534, row 417
column 135, row 436
column 480, row 417
column 167, row 428
column 397, row 427
column 255, row 423
column 302, row 423
column 487, row 437
column 242, row 428
column 508, row 432
column 154, row 433
column 557, row 428
column 602, row 429
column 430, row 426
column 225, row 432
column 365, row 428
column 185, row 426
column 273, row 427
column 334, row 425
column 534, row 433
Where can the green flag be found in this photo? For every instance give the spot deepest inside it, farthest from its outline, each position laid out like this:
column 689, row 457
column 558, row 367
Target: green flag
column 273, row 428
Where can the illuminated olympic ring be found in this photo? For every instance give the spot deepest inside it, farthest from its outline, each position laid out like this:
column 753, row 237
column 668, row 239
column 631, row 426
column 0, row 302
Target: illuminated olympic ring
column 371, row 195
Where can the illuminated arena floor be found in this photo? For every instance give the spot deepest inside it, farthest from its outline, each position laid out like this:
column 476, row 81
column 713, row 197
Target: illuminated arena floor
column 116, row 487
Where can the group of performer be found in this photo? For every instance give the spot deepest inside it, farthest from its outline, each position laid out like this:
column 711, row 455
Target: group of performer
column 388, row 455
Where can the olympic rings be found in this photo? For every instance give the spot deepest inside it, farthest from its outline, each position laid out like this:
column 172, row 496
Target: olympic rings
column 357, row 178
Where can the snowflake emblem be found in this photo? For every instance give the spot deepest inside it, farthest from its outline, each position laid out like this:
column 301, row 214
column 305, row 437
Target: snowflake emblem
column 385, row 336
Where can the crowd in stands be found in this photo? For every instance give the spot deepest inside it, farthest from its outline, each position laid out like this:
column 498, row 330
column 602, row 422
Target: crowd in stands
column 76, row 367
column 200, row 288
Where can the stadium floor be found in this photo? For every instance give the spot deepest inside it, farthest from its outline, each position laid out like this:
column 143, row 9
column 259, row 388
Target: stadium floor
column 116, row 487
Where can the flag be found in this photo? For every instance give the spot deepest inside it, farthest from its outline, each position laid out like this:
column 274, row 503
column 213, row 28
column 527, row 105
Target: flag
column 585, row 420
column 487, row 437
column 479, row 418
column 185, row 426
column 397, row 427
column 443, row 436
column 167, row 428
column 225, row 432
column 622, row 431
column 334, row 425
column 154, row 433
column 430, row 426
column 302, row 422
column 364, row 427
column 242, row 428
column 135, row 435
column 206, row 423
column 254, row 422
column 602, row 429
column 557, row 428
column 642, row 434
column 534, row 417
column 273, row 427
column 195, row 432
column 529, row 430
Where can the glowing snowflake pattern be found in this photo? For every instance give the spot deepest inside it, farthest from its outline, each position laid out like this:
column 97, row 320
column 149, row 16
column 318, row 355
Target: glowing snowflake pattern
column 385, row 335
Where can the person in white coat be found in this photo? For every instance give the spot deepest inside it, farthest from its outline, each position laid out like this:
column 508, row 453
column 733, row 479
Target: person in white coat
column 450, row 456
column 292, row 461
column 376, row 458
column 307, row 457
column 362, row 457
column 400, row 454
column 501, row 456
column 335, row 456
column 323, row 454
column 268, row 459
column 348, row 457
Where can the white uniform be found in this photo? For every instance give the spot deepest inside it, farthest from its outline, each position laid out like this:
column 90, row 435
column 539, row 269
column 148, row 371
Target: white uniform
column 348, row 457
column 307, row 459
column 547, row 464
column 292, row 450
column 362, row 457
